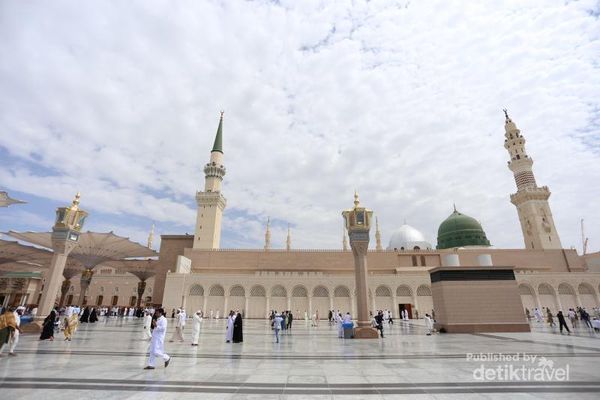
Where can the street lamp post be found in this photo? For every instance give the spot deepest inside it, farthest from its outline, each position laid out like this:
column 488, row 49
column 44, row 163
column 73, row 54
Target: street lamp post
column 358, row 223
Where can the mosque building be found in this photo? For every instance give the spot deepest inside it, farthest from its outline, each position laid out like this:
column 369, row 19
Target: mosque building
column 194, row 272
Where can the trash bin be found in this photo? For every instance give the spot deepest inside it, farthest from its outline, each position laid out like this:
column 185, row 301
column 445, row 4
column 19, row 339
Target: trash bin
column 348, row 330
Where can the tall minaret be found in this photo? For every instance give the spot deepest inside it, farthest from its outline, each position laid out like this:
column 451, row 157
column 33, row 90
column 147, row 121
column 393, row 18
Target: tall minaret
column 531, row 200
column 211, row 202
column 377, row 235
column 268, row 234
column 288, row 241
column 151, row 237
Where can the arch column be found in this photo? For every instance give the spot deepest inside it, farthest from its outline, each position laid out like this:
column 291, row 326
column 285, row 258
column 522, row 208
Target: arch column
column 578, row 299
column 537, row 300
column 289, row 303
column 415, row 301
column 394, row 304
column 246, row 307
column 226, row 311
column 374, row 304
column 331, row 302
column 353, row 305
column 557, row 297
column 204, row 304
column 268, row 311
column 310, row 307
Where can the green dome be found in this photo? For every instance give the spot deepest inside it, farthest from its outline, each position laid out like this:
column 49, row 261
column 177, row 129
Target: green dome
column 459, row 230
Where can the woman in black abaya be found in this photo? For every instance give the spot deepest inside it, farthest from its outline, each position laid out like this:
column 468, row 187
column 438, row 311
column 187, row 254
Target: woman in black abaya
column 238, row 334
column 93, row 316
column 48, row 327
column 85, row 316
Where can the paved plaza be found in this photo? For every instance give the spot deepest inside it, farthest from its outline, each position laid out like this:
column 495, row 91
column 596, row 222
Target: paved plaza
column 105, row 360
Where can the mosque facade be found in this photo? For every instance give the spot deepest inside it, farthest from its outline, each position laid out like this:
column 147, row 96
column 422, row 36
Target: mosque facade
column 195, row 273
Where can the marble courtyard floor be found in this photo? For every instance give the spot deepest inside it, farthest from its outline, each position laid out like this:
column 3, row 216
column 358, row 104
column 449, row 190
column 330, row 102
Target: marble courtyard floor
column 105, row 360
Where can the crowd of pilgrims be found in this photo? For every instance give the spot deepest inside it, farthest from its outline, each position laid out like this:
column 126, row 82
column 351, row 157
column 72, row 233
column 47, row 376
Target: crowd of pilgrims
column 574, row 315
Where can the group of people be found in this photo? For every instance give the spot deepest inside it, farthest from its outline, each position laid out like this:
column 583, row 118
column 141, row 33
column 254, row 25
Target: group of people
column 574, row 315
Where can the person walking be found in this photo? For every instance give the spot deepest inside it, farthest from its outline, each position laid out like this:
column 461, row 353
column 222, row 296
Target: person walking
column 197, row 319
column 428, row 324
column 562, row 323
column 157, row 344
column 550, row 318
column 147, row 325
column 277, row 326
column 238, row 333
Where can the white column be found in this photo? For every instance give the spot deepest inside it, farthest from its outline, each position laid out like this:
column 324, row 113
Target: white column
column 416, row 303
column 268, row 311
column 225, row 309
column 374, row 304
column 204, row 303
column 310, row 313
column 353, row 306
column 394, row 305
column 289, row 303
column 331, row 302
column 246, row 307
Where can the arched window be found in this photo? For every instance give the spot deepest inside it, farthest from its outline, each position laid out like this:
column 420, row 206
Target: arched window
column 278, row 291
column 196, row 290
column 216, row 290
column 341, row 291
column 258, row 291
column 320, row 291
column 383, row 291
column 299, row 291
column 237, row 291
column 423, row 290
column 403, row 291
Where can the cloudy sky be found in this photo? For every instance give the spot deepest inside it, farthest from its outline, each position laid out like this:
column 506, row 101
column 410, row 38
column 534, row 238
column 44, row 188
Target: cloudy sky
column 401, row 100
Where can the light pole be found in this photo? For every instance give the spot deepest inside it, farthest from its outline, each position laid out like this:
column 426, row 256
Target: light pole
column 358, row 223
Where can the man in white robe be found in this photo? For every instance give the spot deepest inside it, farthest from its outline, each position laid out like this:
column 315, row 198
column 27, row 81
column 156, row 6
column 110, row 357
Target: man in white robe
column 429, row 324
column 180, row 324
column 197, row 319
column 229, row 331
column 147, row 325
column 211, row 314
column 157, row 344
column 217, row 314
column 340, row 323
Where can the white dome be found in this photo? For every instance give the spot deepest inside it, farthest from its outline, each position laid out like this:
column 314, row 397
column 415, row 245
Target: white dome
column 407, row 238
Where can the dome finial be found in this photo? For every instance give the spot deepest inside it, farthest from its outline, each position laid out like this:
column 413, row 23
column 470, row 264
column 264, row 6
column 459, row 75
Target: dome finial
column 506, row 114
column 356, row 201
column 454, row 205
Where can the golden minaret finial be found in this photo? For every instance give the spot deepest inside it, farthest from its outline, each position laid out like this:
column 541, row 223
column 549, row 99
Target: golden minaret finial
column 75, row 204
column 356, row 201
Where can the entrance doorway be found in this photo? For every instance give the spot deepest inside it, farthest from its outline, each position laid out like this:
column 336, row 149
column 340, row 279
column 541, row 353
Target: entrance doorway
column 407, row 307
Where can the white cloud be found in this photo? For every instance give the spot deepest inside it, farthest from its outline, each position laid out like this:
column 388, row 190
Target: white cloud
column 400, row 100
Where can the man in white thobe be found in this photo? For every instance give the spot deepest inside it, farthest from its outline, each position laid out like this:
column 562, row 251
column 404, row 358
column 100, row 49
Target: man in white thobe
column 229, row 331
column 197, row 319
column 147, row 325
column 157, row 344
column 340, row 324
column 180, row 324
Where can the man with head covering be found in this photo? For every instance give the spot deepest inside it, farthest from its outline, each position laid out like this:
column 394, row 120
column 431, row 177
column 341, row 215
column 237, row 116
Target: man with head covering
column 277, row 325
column 71, row 324
column 147, row 325
column 157, row 345
column 229, row 328
column 197, row 319
column 179, row 324
column 238, row 334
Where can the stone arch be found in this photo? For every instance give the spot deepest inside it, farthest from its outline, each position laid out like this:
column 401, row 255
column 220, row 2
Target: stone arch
column 237, row 299
column 196, row 290
column 566, row 294
column 278, row 298
column 547, row 297
column 527, row 297
column 383, row 298
column 258, row 291
column 195, row 300
column 341, row 291
column 320, row 291
column 424, row 299
column 299, row 291
column 587, row 296
column 299, row 300
column 216, row 300
column 257, row 304
column 216, row 290
column 404, row 291
column 320, row 301
column 237, row 291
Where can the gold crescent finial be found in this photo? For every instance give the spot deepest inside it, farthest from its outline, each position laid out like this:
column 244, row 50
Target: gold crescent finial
column 356, row 201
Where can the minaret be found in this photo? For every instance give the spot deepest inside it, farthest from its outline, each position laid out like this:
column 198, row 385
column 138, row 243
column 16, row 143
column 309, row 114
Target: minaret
column 377, row 235
column 288, row 241
column 344, row 240
column 151, row 237
column 211, row 202
column 531, row 200
column 268, row 234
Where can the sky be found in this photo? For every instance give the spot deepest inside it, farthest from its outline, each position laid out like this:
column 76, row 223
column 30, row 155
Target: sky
column 399, row 100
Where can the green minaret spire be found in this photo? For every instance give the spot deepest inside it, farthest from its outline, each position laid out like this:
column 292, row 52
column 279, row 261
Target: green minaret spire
column 218, row 146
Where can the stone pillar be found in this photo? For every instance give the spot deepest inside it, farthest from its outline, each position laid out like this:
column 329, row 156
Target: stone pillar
column 330, row 303
column 225, row 310
column 289, row 303
column 55, row 273
column 268, row 312
column 578, row 300
column 64, row 289
column 310, row 313
column 353, row 306
column 558, row 303
column 416, row 303
column 206, row 313
column 247, row 303
column 373, row 304
column 140, row 292
column 537, row 300
column 86, row 279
